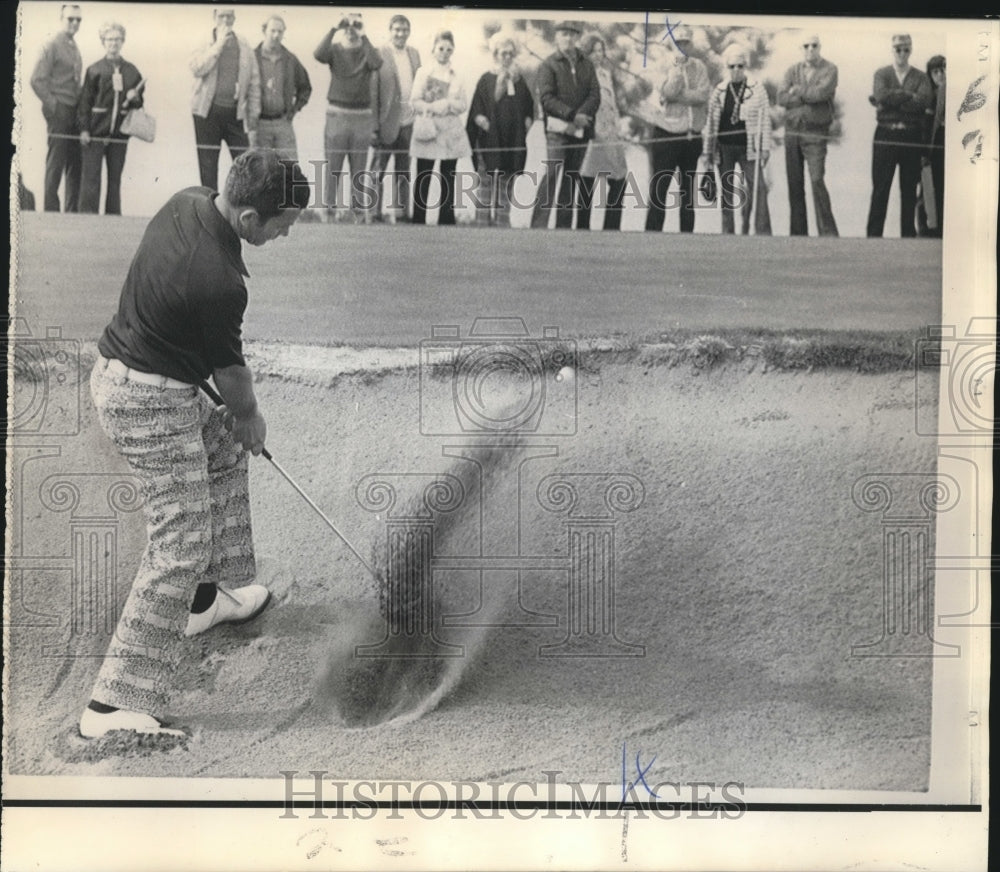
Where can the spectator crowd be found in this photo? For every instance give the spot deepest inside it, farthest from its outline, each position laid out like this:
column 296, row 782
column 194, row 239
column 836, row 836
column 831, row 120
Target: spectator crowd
column 400, row 122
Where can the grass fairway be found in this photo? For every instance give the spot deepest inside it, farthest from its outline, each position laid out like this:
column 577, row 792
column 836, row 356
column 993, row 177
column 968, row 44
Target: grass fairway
column 340, row 284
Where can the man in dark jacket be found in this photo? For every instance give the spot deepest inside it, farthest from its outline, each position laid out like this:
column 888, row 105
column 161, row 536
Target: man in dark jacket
column 284, row 90
column 570, row 96
column 901, row 96
column 807, row 95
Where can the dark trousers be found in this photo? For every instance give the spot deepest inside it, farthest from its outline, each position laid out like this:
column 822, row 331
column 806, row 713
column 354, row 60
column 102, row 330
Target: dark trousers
column 564, row 153
column 63, row 157
column 807, row 150
column 94, row 154
column 425, row 172
column 612, row 209
column 221, row 125
column 730, row 156
column 892, row 148
column 399, row 181
column 668, row 158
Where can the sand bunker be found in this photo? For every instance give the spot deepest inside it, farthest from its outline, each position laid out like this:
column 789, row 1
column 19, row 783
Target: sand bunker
column 685, row 562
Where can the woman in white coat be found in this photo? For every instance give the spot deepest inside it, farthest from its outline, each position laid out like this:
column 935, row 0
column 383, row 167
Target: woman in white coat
column 439, row 100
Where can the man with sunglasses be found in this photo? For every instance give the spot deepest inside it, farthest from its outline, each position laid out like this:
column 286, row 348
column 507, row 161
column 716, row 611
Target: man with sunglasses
column 56, row 81
column 807, row 95
column 901, row 96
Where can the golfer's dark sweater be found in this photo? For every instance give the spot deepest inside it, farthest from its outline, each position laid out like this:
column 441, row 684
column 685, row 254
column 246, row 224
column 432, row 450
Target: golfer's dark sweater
column 350, row 71
column 180, row 313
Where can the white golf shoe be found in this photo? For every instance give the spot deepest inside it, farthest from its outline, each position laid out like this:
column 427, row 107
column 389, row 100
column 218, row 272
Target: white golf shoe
column 230, row 607
column 95, row 724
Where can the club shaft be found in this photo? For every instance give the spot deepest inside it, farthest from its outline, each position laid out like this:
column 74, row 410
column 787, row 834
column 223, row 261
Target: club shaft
column 217, row 399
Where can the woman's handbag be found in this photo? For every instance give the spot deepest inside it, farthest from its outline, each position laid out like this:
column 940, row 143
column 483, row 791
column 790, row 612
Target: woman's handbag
column 139, row 123
column 424, row 128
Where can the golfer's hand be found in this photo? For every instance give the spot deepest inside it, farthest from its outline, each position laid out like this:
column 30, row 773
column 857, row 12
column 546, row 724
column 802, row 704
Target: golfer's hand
column 483, row 123
column 85, row 138
column 764, row 155
column 250, row 432
column 581, row 120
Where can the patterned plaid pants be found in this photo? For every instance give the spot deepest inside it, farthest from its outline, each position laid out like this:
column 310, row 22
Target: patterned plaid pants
column 197, row 508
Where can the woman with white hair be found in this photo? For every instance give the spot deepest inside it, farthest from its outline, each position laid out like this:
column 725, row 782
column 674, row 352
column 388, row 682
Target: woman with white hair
column 438, row 99
column 111, row 87
column 738, row 131
column 500, row 116
column 605, row 152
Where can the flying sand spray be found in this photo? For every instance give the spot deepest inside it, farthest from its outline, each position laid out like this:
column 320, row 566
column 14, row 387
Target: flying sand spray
column 367, row 682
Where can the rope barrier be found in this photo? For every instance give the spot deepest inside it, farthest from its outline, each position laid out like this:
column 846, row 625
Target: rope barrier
column 638, row 141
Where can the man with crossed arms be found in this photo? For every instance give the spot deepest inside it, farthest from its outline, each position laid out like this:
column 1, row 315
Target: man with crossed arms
column 807, row 95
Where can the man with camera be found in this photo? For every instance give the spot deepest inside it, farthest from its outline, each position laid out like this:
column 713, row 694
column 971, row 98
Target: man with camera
column 179, row 321
column 284, row 89
column 350, row 121
column 570, row 95
column 226, row 98
column 56, row 82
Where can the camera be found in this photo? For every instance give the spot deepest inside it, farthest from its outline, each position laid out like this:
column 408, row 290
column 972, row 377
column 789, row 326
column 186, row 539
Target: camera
column 966, row 368
column 45, row 390
column 497, row 381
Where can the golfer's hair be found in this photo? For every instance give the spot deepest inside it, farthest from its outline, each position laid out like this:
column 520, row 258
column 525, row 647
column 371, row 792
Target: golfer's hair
column 111, row 27
column 65, row 6
column 443, row 36
column 398, row 19
column 271, row 18
column 259, row 179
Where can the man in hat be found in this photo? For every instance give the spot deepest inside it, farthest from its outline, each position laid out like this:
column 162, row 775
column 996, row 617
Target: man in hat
column 676, row 146
column 56, row 82
column 570, row 96
column 807, row 95
column 902, row 96
column 226, row 98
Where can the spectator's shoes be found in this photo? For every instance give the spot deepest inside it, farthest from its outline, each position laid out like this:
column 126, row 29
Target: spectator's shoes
column 230, row 607
column 94, row 724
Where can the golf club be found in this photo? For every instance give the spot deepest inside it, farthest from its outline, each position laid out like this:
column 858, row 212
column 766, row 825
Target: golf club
column 217, row 399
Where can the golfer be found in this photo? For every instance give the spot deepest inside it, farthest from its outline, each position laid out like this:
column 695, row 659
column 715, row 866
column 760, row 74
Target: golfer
column 178, row 322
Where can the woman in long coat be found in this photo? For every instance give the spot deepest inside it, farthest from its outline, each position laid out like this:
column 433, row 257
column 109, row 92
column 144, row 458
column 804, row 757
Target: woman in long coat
column 500, row 117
